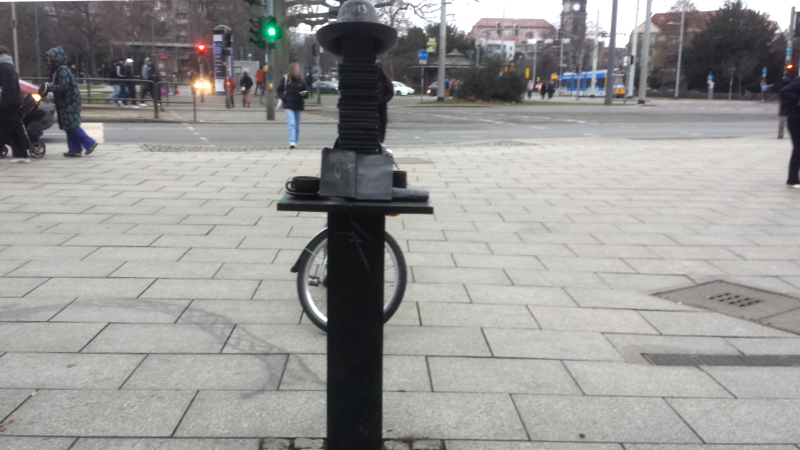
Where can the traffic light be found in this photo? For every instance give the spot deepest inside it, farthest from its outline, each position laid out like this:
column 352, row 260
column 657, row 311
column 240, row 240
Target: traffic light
column 527, row 72
column 499, row 29
column 789, row 67
column 577, row 68
column 258, row 31
column 201, row 49
column 253, row 2
column 516, row 29
column 273, row 30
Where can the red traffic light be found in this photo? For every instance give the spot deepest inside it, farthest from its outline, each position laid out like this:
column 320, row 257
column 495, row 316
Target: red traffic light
column 201, row 49
column 789, row 66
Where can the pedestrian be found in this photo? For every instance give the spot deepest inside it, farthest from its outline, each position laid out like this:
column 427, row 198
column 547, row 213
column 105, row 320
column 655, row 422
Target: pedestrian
column 551, row 89
column 67, row 97
column 11, row 127
column 154, row 78
column 175, row 83
column 446, row 87
column 259, row 81
column 147, row 88
column 246, row 82
column 292, row 92
column 531, row 87
column 115, row 84
column 130, row 85
column 543, row 90
column 790, row 108
column 385, row 94
column 764, row 88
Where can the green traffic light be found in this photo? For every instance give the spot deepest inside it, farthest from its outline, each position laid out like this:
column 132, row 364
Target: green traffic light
column 271, row 31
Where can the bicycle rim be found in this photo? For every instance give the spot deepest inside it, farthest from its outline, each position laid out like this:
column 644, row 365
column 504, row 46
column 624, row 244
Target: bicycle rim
column 314, row 282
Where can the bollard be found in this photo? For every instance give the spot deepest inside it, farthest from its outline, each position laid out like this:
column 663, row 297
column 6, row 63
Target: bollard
column 155, row 95
column 194, row 105
column 89, row 90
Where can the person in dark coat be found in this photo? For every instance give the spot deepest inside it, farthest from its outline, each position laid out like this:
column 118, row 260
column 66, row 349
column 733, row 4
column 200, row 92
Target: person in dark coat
column 246, row 83
column 790, row 108
column 293, row 91
column 543, row 90
column 551, row 89
column 68, row 103
column 12, row 131
column 385, row 94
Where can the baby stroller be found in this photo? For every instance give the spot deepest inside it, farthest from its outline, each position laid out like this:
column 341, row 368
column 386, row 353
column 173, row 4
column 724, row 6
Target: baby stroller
column 30, row 113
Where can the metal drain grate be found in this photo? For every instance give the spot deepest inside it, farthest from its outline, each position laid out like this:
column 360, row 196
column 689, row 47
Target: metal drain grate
column 725, row 360
column 734, row 300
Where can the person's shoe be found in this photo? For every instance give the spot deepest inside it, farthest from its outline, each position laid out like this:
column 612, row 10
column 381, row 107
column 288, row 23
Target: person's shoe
column 91, row 149
column 126, row 106
column 142, row 104
column 20, row 161
column 793, row 186
column 292, row 145
column 119, row 103
column 134, row 107
column 72, row 155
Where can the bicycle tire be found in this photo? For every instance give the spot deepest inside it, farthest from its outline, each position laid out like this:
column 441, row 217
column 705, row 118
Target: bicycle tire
column 310, row 307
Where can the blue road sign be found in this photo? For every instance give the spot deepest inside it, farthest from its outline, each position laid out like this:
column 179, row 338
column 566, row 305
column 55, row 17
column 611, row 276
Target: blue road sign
column 710, row 77
column 423, row 54
column 764, row 71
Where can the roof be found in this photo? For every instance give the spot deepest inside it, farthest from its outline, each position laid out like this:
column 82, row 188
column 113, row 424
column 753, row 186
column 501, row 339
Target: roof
column 509, row 22
column 660, row 20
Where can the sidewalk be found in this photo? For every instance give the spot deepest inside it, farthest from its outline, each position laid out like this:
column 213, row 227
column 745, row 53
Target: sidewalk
column 146, row 300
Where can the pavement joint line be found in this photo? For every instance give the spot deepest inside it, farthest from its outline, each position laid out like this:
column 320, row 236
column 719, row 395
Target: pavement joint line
column 175, row 430
column 141, row 361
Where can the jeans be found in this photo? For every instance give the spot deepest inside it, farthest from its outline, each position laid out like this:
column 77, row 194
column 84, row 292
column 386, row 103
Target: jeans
column 383, row 119
column 77, row 138
column 293, row 119
column 114, row 94
column 793, row 123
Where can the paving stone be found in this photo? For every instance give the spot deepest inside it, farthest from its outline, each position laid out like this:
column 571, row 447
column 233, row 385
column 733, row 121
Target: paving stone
column 612, row 251
column 602, row 419
column 581, row 319
column 276, row 339
column 766, row 346
column 59, row 268
column 516, row 445
column 47, row 253
column 439, row 292
column 35, row 443
column 169, row 219
column 198, row 241
column 254, row 414
column 644, row 282
column 693, row 252
column 427, row 444
column 524, row 295
column 400, row 373
column 673, row 267
column 451, row 416
column 8, row 266
column 156, row 269
column 148, row 254
column 242, row 311
column 282, row 290
column 166, row 444
column 707, row 447
column 632, row 346
column 18, row 287
column 788, row 321
column 122, row 310
column 741, row 421
column 396, row 445
column 31, row 309
column 530, row 249
column 12, row 398
column 501, row 376
column 46, row 337
column 474, row 315
column 611, row 298
column 518, row 343
column 303, row 443
column 200, row 230
column 420, row 259
column 498, row 261
column 92, row 287
column 225, row 255
column 435, row 341
column 202, row 289
column 758, row 382
column 208, row 372
column 160, row 338
column 707, row 324
column 479, row 248
column 635, row 380
column 100, row 413
column 459, row 275
column 554, row 279
column 574, row 264
column 269, row 272
column 112, row 240
column 66, row 371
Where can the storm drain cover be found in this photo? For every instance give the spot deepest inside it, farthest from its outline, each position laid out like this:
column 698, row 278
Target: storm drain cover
column 725, row 360
column 734, row 300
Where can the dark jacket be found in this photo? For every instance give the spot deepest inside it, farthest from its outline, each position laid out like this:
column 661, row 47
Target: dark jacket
column 385, row 89
column 11, row 96
column 246, row 82
column 790, row 99
column 65, row 90
column 289, row 91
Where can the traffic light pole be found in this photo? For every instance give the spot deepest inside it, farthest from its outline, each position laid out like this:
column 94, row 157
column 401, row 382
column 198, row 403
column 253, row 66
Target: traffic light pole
column 269, row 82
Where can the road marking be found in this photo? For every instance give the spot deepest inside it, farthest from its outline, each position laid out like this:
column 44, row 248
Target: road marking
column 191, row 128
column 203, row 139
column 95, row 130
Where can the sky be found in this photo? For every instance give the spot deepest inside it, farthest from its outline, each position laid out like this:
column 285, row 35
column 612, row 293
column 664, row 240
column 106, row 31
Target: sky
column 465, row 13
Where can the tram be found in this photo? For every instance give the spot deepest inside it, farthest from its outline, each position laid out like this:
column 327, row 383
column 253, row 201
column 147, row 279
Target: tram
column 572, row 82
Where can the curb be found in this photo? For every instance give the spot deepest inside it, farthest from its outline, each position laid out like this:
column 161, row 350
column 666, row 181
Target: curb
column 90, row 119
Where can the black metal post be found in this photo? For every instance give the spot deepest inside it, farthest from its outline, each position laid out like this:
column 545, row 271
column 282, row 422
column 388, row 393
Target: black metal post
column 355, row 330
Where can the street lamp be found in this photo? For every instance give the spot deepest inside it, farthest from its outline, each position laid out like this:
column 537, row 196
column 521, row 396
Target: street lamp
column 680, row 54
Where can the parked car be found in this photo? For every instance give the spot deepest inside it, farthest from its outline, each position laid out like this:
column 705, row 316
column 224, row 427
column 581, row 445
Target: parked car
column 402, row 89
column 36, row 128
column 327, row 87
column 433, row 89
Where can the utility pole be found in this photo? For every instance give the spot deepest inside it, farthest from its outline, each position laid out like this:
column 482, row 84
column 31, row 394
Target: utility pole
column 632, row 75
column 680, row 56
column 612, row 50
column 789, row 39
column 560, row 64
column 14, row 28
column 319, row 76
column 442, row 52
column 535, row 57
column 38, row 57
column 645, row 54
column 268, row 83
column 595, row 50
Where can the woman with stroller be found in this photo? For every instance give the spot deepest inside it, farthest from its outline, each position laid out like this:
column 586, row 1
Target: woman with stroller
column 68, row 103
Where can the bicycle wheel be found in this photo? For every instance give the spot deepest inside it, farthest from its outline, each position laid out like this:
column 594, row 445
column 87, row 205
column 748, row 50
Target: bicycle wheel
column 312, row 279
